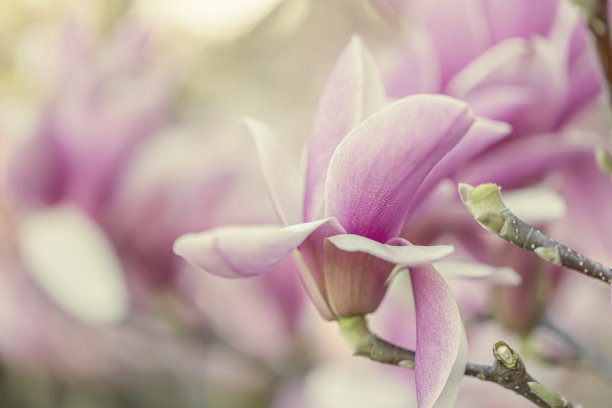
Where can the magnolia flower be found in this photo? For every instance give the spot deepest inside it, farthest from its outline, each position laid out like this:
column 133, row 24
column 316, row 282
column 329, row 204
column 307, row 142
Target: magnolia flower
column 528, row 64
column 366, row 164
column 360, row 178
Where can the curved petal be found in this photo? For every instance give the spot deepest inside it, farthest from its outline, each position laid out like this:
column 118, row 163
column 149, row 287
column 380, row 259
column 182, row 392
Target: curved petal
column 377, row 168
column 237, row 252
column 353, row 91
column 534, row 66
column 280, row 172
column 72, row 259
column 476, row 270
column 404, row 254
column 440, row 355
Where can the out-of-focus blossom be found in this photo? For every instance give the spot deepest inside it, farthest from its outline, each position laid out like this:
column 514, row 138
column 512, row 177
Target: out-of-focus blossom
column 529, row 65
column 104, row 148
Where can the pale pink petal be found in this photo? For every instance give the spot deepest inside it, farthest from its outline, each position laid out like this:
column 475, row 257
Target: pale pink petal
column 378, row 167
column 418, row 70
column 519, row 18
column 236, row 252
column 400, row 253
column 439, row 339
column 36, row 168
column 458, row 30
column 515, row 162
column 476, row 270
column 586, row 79
column 534, row 66
column 280, row 172
column 353, row 91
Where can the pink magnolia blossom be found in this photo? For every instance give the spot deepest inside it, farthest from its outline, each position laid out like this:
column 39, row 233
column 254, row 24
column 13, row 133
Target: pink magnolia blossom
column 528, row 64
column 366, row 164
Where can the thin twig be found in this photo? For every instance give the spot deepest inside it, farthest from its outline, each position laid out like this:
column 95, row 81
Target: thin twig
column 485, row 204
column 508, row 370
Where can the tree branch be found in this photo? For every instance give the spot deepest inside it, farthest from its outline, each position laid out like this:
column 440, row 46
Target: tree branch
column 508, row 370
column 485, row 204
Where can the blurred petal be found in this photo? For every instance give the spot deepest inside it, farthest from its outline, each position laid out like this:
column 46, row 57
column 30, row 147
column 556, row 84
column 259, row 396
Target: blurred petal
column 280, row 172
column 377, row 168
column 405, row 254
column 440, row 355
column 237, row 252
column 586, row 79
column 476, row 270
column 37, row 168
column 535, row 204
column 534, row 66
column 75, row 263
column 353, row 91
column 518, row 161
column 418, row 70
column 458, row 30
column 519, row 18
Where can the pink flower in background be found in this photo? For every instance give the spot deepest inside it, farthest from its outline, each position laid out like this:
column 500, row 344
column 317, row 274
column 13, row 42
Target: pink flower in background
column 107, row 101
column 527, row 64
column 105, row 161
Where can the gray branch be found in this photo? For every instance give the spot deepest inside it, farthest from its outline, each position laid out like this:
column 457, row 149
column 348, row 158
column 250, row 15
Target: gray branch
column 508, row 370
column 485, row 204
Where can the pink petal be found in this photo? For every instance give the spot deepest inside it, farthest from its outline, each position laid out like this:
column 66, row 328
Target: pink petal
column 236, row 252
column 534, row 66
column 37, row 167
column 353, row 91
column 440, row 354
column 519, row 18
column 280, row 172
column 586, row 79
column 458, row 30
column 378, row 167
column 515, row 162
column 417, row 70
